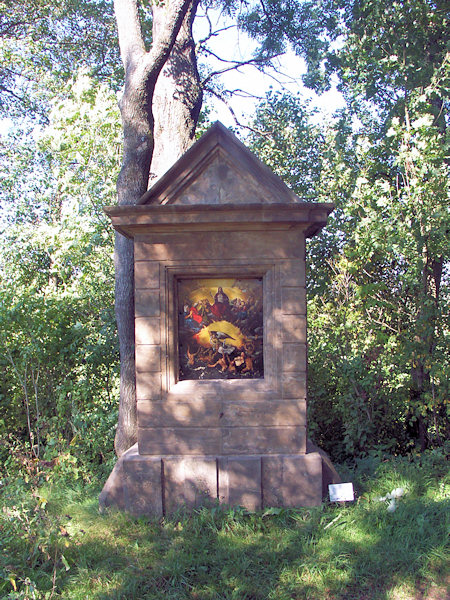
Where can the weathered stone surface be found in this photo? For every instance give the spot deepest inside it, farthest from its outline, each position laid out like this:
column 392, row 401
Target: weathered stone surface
column 148, row 358
column 292, row 480
column 189, row 482
column 293, row 272
column 146, row 275
column 112, row 493
column 148, row 331
column 180, row 440
column 264, row 413
column 294, row 357
column 171, row 246
column 329, row 473
column 240, row 481
column 293, row 328
column 148, row 386
column 172, row 413
column 221, row 183
column 293, row 300
column 146, row 303
column 264, row 440
column 260, row 232
column 142, row 485
column 220, row 389
column 146, row 485
column 294, row 385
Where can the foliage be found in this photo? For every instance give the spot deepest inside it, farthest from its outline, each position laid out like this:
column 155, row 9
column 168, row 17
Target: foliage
column 378, row 274
column 285, row 138
column 381, row 327
column 380, row 52
column 56, row 544
column 43, row 45
column 58, row 342
column 389, row 51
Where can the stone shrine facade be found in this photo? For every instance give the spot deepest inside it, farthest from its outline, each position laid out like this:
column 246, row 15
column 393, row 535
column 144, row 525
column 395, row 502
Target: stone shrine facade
column 220, row 327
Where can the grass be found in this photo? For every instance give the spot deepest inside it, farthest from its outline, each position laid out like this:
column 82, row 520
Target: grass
column 57, row 545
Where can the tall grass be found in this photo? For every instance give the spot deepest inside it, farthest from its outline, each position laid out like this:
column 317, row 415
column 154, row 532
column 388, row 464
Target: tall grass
column 57, row 545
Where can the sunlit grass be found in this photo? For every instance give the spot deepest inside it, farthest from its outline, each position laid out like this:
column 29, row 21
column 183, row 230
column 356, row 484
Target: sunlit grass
column 59, row 541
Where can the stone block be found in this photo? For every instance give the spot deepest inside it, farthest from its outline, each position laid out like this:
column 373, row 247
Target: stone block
column 143, row 485
column 329, row 473
column 148, row 358
column 181, row 413
column 150, row 248
column 146, row 275
column 293, row 385
column 179, row 440
column 293, row 328
column 293, row 272
column 178, row 246
column 189, row 482
column 292, row 481
column 112, row 493
column 293, row 300
column 264, row 440
column 146, row 303
column 240, row 481
column 294, row 357
column 264, row 413
column 148, row 386
column 148, row 331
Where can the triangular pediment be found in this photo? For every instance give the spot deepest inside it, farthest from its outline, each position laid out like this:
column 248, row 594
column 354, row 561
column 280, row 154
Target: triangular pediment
column 219, row 169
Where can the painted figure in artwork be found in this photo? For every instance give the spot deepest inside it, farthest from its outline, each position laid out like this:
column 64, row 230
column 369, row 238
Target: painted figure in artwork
column 221, row 307
column 192, row 317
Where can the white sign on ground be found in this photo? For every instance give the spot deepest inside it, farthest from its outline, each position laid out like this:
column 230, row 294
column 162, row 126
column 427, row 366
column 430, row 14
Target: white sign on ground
column 341, row 492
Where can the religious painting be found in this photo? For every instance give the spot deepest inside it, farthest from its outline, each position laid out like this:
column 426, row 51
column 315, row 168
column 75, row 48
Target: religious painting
column 220, row 328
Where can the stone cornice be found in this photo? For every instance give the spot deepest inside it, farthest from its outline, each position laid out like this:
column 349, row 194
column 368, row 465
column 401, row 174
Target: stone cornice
column 145, row 218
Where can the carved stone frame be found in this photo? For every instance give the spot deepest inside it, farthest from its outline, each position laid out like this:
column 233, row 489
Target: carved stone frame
column 250, row 269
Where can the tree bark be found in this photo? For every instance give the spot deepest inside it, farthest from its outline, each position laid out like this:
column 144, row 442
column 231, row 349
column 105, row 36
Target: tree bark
column 142, row 69
column 425, row 337
column 177, row 100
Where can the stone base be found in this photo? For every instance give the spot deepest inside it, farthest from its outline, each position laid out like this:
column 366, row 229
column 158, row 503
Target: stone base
column 149, row 485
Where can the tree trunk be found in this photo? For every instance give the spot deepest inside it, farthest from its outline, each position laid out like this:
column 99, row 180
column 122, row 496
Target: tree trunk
column 425, row 338
column 126, row 433
column 177, row 101
column 142, row 69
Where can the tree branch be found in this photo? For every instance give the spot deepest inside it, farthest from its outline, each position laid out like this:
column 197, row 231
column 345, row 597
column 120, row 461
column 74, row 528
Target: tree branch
column 234, row 64
column 233, row 114
column 266, row 13
column 212, row 33
column 164, row 37
column 129, row 31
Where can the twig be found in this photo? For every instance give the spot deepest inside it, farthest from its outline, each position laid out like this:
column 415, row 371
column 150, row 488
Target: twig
column 236, row 64
column 233, row 114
